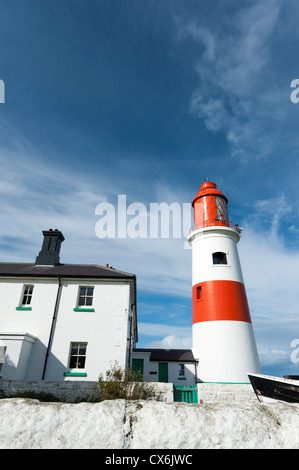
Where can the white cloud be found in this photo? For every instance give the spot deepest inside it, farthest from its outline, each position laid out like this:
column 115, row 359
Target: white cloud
column 273, row 357
column 165, row 336
column 36, row 196
column 171, row 342
column 273, row 210
column 234, row 76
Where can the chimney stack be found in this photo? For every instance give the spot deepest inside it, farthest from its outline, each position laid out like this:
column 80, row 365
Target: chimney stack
column 49, row 254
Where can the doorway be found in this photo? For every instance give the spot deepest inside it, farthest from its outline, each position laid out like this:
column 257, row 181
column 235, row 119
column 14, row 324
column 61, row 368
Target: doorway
column 163, row 372
column 137, row 365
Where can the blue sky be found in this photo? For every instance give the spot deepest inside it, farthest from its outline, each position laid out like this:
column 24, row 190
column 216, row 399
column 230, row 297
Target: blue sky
column 148, row 99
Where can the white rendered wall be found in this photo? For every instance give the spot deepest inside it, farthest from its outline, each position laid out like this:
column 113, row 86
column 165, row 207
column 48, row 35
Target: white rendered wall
column 17, row 355
column 226, row 351
column 36, row 322
column 105, row 330
column 189, row 377
column 42, row 305
column 204, row 243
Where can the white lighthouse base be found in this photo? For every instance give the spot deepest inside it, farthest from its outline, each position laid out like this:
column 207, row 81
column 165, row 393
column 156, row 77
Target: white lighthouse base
column 226, row 351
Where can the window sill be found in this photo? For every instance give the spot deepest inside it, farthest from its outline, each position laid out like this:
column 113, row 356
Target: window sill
column 222, row 265
column 23, row 308
column 75, row 374
column 181, row 378
column 83, row 309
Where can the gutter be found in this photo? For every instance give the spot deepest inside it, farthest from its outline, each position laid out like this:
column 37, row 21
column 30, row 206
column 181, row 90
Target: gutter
column 52, row 327
column 134, row 304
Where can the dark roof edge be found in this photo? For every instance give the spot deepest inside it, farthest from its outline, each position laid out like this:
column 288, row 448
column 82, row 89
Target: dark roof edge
column 169, row 355
column 109, row 273
column 69, row 276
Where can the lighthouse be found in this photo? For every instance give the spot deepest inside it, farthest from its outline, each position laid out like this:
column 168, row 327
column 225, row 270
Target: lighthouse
column 222, row 333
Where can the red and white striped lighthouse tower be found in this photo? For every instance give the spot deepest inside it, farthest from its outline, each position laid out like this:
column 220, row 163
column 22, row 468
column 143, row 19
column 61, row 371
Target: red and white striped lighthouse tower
column 222, row 333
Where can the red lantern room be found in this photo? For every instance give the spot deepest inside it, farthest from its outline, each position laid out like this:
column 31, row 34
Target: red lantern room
column 210, row 207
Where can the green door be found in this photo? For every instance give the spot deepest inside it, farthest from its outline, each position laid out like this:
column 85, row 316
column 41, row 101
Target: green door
column 137, row 365
column 163, row 372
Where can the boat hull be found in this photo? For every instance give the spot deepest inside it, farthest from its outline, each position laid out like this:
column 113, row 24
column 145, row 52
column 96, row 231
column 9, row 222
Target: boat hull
column 269, row 388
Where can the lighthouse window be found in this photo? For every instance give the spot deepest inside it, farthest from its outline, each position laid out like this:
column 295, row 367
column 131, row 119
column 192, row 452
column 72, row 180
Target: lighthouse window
column 221, row 208
column 219, row 258
column 198, row 292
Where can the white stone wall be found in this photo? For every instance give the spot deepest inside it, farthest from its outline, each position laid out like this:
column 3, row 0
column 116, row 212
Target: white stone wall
column 141, row 425
column 225, row 393
column 68, row 392
column 75, row 391
column 72, row 391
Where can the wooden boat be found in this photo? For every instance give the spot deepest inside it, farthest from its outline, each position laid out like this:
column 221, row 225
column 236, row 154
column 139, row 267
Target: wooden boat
column 269, row 389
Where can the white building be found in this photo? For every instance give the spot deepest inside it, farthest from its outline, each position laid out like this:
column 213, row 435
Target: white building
column 71, row 322
column 177, row 366
column 64, row 321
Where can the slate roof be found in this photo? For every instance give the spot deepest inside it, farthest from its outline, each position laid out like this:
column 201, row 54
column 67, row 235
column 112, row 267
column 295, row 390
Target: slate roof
column 61, row 270
column 183, row 355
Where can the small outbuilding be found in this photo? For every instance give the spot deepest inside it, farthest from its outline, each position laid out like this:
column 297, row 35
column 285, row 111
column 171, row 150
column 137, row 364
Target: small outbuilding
column 177, row 366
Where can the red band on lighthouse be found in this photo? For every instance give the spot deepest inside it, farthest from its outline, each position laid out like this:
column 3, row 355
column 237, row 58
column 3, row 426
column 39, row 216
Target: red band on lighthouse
column 220, row 300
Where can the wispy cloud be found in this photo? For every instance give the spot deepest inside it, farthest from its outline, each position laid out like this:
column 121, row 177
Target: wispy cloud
column 36, row 196
column 236, row 90
column 272, row 211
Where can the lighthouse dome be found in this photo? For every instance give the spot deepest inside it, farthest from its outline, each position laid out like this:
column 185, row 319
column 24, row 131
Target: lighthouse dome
column 208, row 188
